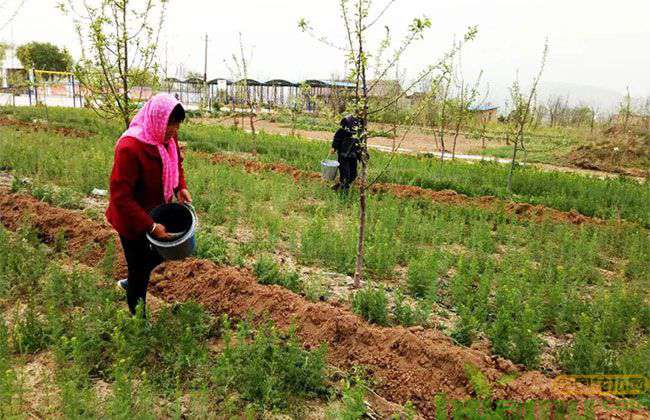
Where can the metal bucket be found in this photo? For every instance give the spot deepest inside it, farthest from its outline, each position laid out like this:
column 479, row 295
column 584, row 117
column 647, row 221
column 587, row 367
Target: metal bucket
column 180, row 221
column 329, row 169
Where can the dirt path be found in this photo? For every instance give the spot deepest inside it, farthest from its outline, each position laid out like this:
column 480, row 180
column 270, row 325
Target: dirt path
column 408, row 364
column 521, row 210
column 417, row 142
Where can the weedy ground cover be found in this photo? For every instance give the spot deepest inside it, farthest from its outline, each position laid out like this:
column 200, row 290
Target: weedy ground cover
column 509, row 280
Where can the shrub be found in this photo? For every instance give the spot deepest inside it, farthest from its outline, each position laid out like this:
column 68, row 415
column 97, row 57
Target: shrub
column 514, row 330
column 422, row 280
column 211, row 247
column 467, row 327
column 407, row 314
column 588, row 353
column 268, row 272
column 315, row 289
column 372, row 304
column 479, row 382
column 268, row 371
column 354, row 404
column 141, row 344
column 29, row 333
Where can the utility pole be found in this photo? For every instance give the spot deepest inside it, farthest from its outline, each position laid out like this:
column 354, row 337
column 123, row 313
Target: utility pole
column 205, row 74
column 205, row 67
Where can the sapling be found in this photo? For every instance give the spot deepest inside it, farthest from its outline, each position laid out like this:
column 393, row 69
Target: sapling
column 240, row 70
column 520, row 116
column 358, row 25
column 119, row 40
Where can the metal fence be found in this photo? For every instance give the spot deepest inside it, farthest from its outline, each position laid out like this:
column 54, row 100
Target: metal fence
column 63, row 89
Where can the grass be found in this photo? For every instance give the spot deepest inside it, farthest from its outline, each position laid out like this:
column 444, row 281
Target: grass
column 510, row 280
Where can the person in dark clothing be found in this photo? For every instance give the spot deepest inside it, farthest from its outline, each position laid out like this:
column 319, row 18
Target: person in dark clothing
column 147, row 172
column 346, row 146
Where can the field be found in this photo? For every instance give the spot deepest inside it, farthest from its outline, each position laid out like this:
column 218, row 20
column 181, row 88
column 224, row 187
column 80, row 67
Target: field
column 472, row 293
column 600, row 151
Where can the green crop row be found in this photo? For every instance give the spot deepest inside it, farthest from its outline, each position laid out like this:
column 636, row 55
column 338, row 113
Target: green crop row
column 611, row 198
column 91, row 337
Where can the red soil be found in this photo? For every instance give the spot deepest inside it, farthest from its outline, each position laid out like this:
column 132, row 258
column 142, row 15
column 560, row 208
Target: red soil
column 409, row 364
column 522, row 210
column 34, row 126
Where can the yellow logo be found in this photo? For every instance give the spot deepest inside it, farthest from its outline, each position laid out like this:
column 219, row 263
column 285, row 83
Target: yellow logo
column 621, row 385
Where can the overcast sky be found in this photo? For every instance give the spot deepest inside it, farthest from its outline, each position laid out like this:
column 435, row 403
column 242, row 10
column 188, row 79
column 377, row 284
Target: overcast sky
column 602, row 44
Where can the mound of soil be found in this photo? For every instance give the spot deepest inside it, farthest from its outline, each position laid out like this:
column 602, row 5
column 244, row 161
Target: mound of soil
column 617, row 154
column 409, row 364
column 37, row 126
column 521, row 210
column 85, row 239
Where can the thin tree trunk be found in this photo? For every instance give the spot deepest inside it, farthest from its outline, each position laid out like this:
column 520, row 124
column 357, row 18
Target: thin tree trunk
column 358, row 269
column 453, row 150
column 125, row 77
column 361, row 74
column 512, row 165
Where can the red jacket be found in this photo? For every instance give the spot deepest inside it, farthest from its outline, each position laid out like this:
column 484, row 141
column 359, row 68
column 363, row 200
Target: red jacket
column 136, row 187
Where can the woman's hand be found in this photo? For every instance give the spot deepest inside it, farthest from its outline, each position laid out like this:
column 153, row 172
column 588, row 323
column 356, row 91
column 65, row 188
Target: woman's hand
column 160, row 233
column 184, row 196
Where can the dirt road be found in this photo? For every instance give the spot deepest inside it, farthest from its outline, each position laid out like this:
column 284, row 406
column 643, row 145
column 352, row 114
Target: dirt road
column 416, row 142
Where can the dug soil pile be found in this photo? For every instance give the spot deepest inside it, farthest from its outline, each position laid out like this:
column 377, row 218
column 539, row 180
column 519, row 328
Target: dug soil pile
column 408, row 364
column 521, row 210
column 623, row 152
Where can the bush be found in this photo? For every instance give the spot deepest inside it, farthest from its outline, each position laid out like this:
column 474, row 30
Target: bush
column 478, row 381
column 267, row 371
column 29, row 333
column 372, row 304
column 353, row 399
column 422, row 280
column 211, row 247
column 407, row 314
column 268, row 272
column 514, row 330
column 148, row 345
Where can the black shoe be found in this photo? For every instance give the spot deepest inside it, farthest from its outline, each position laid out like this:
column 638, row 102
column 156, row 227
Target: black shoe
column 124, row 284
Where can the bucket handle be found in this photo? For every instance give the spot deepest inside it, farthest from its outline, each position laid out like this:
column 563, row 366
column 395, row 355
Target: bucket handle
column 190, row 206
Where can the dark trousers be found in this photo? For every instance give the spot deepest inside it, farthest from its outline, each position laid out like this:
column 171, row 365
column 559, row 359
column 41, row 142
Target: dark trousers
column 347, row 171
column 141, row 259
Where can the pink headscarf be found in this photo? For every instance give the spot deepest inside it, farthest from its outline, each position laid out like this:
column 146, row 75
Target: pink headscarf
column 149, row 126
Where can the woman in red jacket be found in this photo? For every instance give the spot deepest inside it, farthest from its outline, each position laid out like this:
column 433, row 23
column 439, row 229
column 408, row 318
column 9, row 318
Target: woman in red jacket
column 147, row 172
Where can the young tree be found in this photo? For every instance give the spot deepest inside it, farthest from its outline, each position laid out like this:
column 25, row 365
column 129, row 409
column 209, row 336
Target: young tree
column 119, row 39
column 625, row 109
column 520, row 116
column 358, row 23
column 467, row 95
column 480, row 122
column 240, row 71
column 441, row 88
column 44, row 56
column 296, row 106
column 557, row 107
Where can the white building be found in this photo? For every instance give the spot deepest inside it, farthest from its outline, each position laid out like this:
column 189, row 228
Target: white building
column 10, row 64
